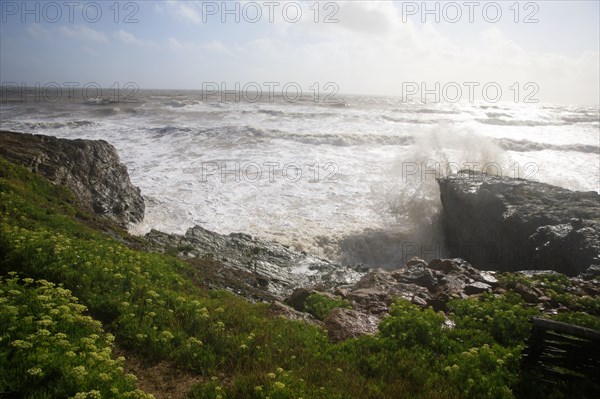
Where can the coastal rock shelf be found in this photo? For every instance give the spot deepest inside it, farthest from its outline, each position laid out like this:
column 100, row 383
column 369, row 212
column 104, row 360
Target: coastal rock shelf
column 252, row 267
column 508, row 224
column 89, row 168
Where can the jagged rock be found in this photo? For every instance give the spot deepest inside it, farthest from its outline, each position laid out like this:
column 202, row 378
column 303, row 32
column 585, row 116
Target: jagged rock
column 453, row 285
column 526, row 293
column 417, row 274
column 296, row 300
column 370, row 300
column 342, row 324
column 591, row 273
column 282, row 269
column 507, row 224
column 443, row 265
column 376, row 278
column 279, row 309
column 89, row 168
column 415, row 261
column 477, row 288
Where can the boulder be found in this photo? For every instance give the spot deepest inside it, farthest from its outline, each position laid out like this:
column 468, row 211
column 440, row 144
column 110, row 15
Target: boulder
column 526, row 293
column 342, row 324
column 279, row 309
column 297, row 299
column 508, row 224
column 417, row 274
column 90, row 169
column 477, row 288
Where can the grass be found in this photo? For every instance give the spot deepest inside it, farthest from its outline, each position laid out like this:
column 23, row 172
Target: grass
column 74, row 287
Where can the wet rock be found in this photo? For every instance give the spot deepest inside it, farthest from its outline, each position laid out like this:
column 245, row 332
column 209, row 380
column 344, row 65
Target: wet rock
column 477, row 288
column 298, row 297
column 416, row 262
column 443, row 265
column 453, row 285
column 419, row 301
column 507, row 224
column 279, row 309
column 370, row 300
column 275, row 269
column 592, row 272
column 342, row 324
column 90, row 169
column 417, row 274
column 526, row 293
column 376, row 278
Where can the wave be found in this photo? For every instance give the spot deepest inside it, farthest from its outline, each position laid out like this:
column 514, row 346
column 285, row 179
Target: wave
column 51, row 124
column 250, row 134
column 345, row 140
column 517, row 122
column 99, row 101
column 414, row 121
column 271, row 112
column 526, row 146
column 497, row 115
column 432, row 111
column 581, row 119
column 181, row 103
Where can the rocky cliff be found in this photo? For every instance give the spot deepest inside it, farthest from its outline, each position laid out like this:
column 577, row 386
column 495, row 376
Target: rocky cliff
column 252, row 267
column 89, row 168
column 507, row 224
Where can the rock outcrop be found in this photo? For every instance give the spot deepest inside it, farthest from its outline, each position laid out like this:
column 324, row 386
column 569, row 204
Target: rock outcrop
column 507, row 224
column 89, row 168
column 436, row 283
column 423, row 284
column 254, row 266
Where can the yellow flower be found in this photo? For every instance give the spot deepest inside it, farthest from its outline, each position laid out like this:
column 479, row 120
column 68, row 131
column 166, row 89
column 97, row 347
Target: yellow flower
column 35, row 371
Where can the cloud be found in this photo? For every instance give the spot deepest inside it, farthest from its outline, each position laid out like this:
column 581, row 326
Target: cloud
column 129, row 38
column 37, row 31
column 185, row 11
column 84, row 33
column 216, row 46
column 174, row 43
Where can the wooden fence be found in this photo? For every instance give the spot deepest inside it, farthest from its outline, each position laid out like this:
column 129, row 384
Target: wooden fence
column 564, row 353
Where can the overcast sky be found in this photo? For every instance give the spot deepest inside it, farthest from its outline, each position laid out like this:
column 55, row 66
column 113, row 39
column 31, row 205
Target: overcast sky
column 366, row 47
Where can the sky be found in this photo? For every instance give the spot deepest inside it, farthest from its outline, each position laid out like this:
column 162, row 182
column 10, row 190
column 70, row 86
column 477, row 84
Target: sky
column 547, row 50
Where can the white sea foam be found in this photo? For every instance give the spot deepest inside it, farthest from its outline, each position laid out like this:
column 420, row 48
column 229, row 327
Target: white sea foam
column 359, row 197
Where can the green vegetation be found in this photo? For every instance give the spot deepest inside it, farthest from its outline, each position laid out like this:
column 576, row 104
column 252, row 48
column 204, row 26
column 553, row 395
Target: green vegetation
column 320, row 305
column 68, row 291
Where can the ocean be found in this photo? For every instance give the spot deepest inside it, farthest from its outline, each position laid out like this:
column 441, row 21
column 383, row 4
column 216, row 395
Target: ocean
column 351, row 179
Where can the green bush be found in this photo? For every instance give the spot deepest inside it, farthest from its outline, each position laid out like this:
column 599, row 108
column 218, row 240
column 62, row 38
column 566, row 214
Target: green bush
column 77, row 283
column 49, row 348
column 321, row 305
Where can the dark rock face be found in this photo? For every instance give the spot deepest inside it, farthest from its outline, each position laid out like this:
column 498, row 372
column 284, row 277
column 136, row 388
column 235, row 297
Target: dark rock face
column 507, row 224
column 90, row 169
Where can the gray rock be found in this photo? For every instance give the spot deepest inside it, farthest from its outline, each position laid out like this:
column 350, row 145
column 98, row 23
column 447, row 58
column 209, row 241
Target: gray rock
column 417, row 274
column 415, row 261
column 89, row 168
column 526, row 293
column 297, row 299
column 279, row 309
column 477, row 288
column 342, row 324
column 507, row 224
column 241, row 255
column 592, row 272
